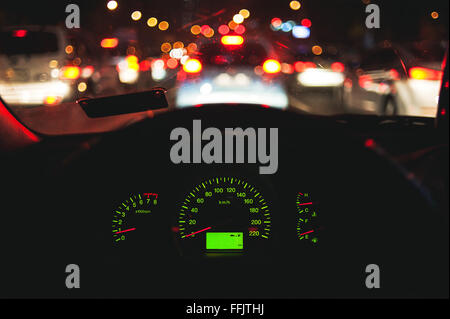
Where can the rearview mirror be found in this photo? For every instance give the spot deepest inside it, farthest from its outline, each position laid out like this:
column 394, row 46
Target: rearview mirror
column 153, row 99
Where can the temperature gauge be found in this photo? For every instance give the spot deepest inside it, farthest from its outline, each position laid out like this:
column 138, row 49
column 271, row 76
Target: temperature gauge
column 307, row 218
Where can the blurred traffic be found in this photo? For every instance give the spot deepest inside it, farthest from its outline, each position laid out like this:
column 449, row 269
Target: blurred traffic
column 232, row 70
column 281, row 55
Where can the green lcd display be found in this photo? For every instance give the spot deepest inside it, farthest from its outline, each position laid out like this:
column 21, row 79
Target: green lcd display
column 224, row 241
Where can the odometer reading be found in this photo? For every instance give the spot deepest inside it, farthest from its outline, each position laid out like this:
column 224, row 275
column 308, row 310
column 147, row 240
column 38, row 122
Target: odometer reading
column 224, row 213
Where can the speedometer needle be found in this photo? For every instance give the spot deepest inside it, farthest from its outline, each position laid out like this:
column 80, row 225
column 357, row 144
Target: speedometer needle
column 124, row 231
column 197, row 232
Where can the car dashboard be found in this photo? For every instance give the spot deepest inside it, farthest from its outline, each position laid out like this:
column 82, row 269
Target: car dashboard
column 143, row 226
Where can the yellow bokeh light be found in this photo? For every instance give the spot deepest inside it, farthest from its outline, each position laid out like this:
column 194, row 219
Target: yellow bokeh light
column 295, row 5
column 232, row 25
column 82, row 86
column 196, row 29
column 237, row 18
column 152, row 22
column 178, row 45
column 245, row 13
column 50, row 100
column 53, row 64
column 69, row 49
column 136, row 15
column 112, row 5
column 317, row 50
column 271, row 66
column 192, row 66
column 166, row 47
column 192, row 47
column 163, row 25
column 209, row 33
column 434, row 15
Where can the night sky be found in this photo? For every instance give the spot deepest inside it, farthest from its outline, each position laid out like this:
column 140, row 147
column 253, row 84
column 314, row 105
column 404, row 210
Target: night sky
column 333, row 21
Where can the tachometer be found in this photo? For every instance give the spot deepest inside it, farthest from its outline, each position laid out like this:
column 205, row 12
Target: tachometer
column 224, row 214
column 131, row 217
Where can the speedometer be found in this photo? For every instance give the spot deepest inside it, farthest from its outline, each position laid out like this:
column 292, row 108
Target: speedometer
column 224, row 214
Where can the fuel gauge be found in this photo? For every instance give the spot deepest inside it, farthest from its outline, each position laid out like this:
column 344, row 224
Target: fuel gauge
column 307, row 226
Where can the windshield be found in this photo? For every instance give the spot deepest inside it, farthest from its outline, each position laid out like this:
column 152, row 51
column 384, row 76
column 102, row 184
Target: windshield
column 319, row 57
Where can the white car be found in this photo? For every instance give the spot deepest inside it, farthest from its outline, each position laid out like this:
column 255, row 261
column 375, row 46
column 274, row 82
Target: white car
column 323, row 74
column 396, row 81
column 33, row 68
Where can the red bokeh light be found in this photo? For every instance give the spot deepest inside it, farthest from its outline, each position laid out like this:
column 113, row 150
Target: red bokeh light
column 240, row 29
column 306, row 23
column 223, row 29
column 276, row 22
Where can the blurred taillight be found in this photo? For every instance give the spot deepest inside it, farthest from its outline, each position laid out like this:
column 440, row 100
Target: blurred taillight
column 365, row 81
column 87, row 71
column 132, row 62
column 192, row 66
column 20, row 33
column 300, row 66
column 52, row 100
column 145, row 65
column 109, row 43
column 271, row 66
column 337, row 67
column 232, row 40
column 287, row 68
column 70, row 72
column 394, row 74
column 419, row 73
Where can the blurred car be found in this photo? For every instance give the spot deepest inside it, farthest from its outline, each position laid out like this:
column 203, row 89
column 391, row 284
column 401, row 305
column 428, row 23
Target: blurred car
column 232, row 70
column 82, row 53
column 396, row 80
column 33, row 68
column 320, row 72
column 121, row 68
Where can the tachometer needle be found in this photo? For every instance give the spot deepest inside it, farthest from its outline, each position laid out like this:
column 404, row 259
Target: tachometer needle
column 124, row 231
column 197, row 232
column 307, row 232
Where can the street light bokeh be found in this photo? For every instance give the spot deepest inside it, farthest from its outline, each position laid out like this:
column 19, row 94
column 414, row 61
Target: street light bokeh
column 112, row 5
